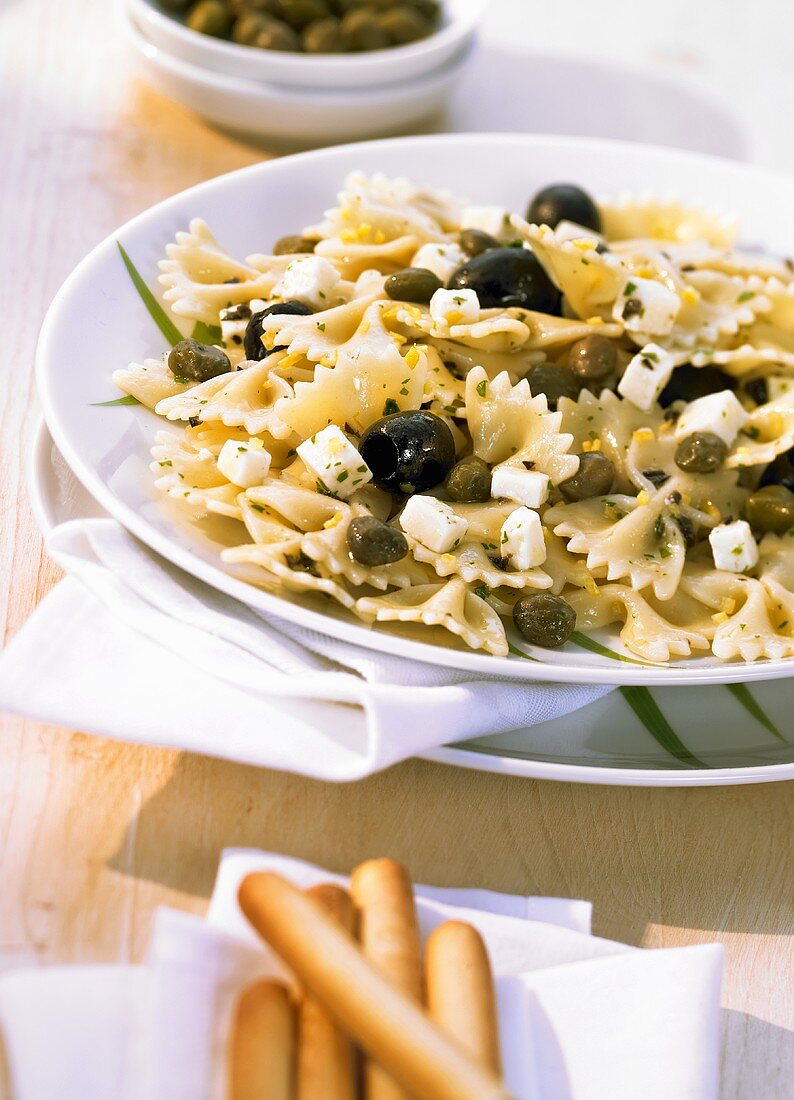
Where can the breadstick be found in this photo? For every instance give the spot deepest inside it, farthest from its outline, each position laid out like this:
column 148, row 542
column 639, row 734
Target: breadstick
column 326, row 1059
column 460, row 991
column 389, row 936
column 262, row 1053
column 389, row 1026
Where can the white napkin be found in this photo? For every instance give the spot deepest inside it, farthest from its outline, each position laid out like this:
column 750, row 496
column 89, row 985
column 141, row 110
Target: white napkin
column 129, row 646
column 582, row 1018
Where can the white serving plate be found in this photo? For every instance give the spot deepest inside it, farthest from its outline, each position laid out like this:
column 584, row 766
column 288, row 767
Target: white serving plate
column 353, row 70
column 97, row 323
column 296, row 115
column 604, row 743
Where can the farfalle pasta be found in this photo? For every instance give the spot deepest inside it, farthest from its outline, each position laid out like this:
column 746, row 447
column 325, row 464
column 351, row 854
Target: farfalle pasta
column 509, row 428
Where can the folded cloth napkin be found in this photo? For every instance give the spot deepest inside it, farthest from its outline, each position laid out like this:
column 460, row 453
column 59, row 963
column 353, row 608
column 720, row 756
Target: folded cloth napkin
column 129, row 646
column 581, row 1018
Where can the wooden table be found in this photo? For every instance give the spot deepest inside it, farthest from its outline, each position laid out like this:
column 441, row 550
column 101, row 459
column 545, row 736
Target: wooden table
column 94, row 835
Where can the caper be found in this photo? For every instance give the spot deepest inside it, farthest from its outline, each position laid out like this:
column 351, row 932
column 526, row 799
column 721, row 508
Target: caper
column 174, row 5
column 287, row 246
column 475, row 241
column 555, row 382
column 413, row 284
column 210, row 17
column 593, row 478
column 362, row 29
column 701, row 453
column 430, row 9
column 195, row 362
column 593, row 359
column 300, row 13
column 372, row 542
column 469, row 481
column 404, row 24
column 544, row 619
column 771, row 509
column 278, row 36
column 248, row 28
column 239, row 8
column 324, row 36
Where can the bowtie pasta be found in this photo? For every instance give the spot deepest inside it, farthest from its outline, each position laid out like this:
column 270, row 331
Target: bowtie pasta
column 455, row 416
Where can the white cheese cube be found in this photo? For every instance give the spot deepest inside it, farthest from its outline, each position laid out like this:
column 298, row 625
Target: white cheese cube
column 646, row 376
column 645, row 305
column 442, row 259
column 433, row 523
column 733, row 546
column 244, row 464
column 779, row 387
column 719, row 413
column 522, row 542
column 234, row 321
column 529, row 487
column 455, row 307
column 312, row 280
column 494, row 220
column 337, row 464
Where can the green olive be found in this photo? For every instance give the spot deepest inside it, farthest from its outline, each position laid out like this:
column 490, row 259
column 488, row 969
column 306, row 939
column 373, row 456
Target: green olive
column 373, row 543
column 278, row 36
column 325, row 36
column 210, row 17
column 771, row 509
column 430, row 9
column 593, row 359
column 701, row 453
column 544, row 619
column 413, row 284
column 288, row 246
column 475, row 241
column 248, row 27
column 300, row 13
column 194, row 362
column 239, row 8
column 553, row 381
column 404, row 24
column 594, row 478
column 469, row 481
column 363, row 31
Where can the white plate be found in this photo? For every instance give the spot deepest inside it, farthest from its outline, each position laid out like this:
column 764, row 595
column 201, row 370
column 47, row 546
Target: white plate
column 98, row 323
column 604, row 743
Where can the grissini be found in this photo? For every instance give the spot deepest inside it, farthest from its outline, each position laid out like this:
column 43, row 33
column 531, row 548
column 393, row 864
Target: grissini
column 460, row 992
column 389, row 935
column 262, row 1049
column 388, row 1025
column 326, row 1058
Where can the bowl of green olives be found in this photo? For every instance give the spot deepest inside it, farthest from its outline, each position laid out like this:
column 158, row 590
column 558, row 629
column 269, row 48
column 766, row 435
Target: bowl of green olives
column 312, row 43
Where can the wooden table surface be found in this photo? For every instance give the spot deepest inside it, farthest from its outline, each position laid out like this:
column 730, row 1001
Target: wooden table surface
column 94, row 834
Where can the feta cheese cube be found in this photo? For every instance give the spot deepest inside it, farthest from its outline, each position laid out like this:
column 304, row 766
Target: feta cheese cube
column 244, row 464
column 494, row 220
column 646, row 376
column 522, row 542
column 337, row 464
column 645, row 305
column 719, row 413
column 312, row 280
column 455, row 307
column 529, row 487
column 733, row 546
column 433, row 523
column 441, row 259
column 234, row 321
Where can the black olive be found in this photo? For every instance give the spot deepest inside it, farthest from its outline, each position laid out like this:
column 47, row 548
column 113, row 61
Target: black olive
column 413, row 284
column 373, row 542
column 469, row 481
column 593, row 358
column 781, row 471
column 594, row 478
column 505, row 277
column 554, row 381
column 687, row 529
column 564, row 202
column 408, row 452
column 771, row 509
column 758, row 390
column 701, row 453
column 689, row 383
column 254, row 348
column 475, row 241
column 197, row 362
column 290, row 246
column 657, row 478
column 544, row 619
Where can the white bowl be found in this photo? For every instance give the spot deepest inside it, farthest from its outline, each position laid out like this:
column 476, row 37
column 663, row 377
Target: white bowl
column 292, row 115
column 353, row 70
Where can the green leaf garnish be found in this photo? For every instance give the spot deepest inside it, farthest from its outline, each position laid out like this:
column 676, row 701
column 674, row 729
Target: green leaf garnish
column 742, row 694
column 127, row 399
column 647, row 710
column 156, row 311
column 206, row 334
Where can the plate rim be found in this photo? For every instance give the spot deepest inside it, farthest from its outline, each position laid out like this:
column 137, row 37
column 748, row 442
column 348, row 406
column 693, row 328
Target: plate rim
column 623, row 674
